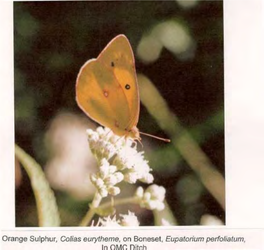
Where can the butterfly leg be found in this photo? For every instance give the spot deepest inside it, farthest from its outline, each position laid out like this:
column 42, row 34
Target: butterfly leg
column 120, row 138
column 139, row 142
column 108, row 133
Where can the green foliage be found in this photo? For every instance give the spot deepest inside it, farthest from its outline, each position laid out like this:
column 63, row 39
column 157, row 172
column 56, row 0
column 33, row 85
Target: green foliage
column 48, row 215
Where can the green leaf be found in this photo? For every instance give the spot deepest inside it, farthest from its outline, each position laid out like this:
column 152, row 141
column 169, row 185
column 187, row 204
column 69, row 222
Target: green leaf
column 48, row 215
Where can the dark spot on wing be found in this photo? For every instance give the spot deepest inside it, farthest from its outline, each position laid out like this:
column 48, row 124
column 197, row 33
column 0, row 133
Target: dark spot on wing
column 106, row 93
column 116, row 124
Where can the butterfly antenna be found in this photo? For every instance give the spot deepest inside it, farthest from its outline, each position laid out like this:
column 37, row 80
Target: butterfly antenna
column 156, row 137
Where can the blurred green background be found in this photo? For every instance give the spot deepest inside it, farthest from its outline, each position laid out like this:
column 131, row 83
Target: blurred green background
column 177, row 44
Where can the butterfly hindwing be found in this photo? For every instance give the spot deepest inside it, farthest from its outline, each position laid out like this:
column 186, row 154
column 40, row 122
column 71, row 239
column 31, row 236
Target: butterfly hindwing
column 100, row 96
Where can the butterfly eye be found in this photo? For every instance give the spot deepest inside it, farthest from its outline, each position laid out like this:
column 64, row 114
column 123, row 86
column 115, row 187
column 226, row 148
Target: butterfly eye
column 112, row 64
column 127, row 86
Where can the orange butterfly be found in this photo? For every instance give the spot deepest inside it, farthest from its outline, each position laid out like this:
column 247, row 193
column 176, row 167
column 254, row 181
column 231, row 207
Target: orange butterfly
column 107, row 89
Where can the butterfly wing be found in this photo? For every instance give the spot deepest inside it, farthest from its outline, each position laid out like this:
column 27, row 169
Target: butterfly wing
column 118, row 57
column 106, row 88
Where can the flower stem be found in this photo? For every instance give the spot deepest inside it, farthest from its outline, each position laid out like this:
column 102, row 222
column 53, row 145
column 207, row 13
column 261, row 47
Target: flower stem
column 95, row 204
column 89, row 215
column 120, row 202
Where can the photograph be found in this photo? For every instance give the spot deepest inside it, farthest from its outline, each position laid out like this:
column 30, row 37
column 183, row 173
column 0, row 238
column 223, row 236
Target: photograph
column 119, row 113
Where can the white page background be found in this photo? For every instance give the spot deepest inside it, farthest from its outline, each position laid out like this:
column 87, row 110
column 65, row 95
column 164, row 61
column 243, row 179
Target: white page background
column 244, row 113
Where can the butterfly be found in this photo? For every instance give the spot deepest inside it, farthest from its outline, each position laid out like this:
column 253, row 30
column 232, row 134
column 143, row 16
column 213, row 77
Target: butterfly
column 107, row 89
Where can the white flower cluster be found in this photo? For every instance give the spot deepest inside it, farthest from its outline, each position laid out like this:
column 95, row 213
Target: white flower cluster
column 118, row 160
column 152, row 198
column 127, row 220
column 106, row 179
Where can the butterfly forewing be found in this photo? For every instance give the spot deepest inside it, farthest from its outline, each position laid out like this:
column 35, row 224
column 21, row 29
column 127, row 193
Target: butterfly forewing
column 118, row 57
